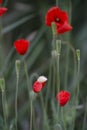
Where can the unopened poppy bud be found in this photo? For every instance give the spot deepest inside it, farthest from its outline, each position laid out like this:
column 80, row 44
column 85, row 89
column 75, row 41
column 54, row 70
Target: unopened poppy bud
column 54, row 53
column 2, row 84
column 63, row 97
column 37, row 86
column 58, row 46
column 78, row 54
column 17, row 65
column 32, row 95
column 53, row 28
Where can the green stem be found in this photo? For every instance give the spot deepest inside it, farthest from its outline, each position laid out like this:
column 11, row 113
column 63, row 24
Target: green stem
column 3, row 104
column 49, row 80
column 66, row 67
column 54, row 77
column 27, row 77
column 53, row 41
column 31, row 114
column 63, row 118
column 84, row 119
column 77, row 95
column 74, row 56
column 58, row 72
column 31, row 98
column 44, row 112
column 16, row 96
column 56, row 2
column 78, row 80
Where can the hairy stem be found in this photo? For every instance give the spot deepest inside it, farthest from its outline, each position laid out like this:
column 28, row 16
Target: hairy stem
column 16, row 96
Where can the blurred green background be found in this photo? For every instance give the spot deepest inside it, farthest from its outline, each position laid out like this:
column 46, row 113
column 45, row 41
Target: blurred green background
column 26, row 19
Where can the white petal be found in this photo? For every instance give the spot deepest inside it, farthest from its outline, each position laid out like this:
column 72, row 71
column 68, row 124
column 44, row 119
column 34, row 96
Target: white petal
column 42, row 79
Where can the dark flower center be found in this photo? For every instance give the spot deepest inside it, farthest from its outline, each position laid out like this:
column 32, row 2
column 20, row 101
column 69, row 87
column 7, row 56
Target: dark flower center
column 57, row 20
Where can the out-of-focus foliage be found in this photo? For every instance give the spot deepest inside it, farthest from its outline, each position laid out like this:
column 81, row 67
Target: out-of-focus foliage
column 26, row 19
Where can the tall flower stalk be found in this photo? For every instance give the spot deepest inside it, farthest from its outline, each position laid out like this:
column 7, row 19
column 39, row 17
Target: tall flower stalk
column 85, row 115
column 2, row 85
column 78, row 73
column 77, row 87
column 17, row 65
column 58, row 49
column 27, row 78
column 31, row 113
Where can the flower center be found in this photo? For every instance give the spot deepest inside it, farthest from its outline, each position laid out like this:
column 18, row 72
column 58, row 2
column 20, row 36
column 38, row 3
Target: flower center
column 57, row 20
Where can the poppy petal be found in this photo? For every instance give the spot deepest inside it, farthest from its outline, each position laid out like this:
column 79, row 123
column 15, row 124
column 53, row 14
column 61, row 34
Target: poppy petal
column 3, row 10
column 63, row 97
column 37, row 87
column 21, row 46
column 64, row 28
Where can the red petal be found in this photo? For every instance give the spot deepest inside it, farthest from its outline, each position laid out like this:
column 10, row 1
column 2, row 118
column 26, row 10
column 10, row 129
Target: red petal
column 63, row 97
column 3, row 10
column 64, row 28
column 1, row 1
column 21, row 46
column 43, row 84
column 55, row 13
column 51, row 15
column 37, row 87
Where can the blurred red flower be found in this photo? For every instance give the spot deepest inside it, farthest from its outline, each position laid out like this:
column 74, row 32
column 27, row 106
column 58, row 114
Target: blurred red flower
column 21, row 46
column 3, row 10
column 63, row 97
column 60, row 18
column 1, row 1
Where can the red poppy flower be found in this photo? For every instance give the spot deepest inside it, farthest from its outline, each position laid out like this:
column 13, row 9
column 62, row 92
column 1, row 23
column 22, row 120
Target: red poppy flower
column 60, row 18
column 21, row 46
column 3, row 10
column 63, row 97
column 37, row 87
column 0, row 1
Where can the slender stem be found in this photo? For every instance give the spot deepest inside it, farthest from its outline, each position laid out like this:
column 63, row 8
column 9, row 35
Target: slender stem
column 77, row 94
column 54, row 77
column 78, row 84
column 31, row 103
column 16, row 96
column 58, row 72
column 44, row 112
column 56, row 2
column 53, row 41
column 74, row 56
column 63, row 119
column 84, row 119
column 66, row 67
column 27, row 77
column 3, row 104
column 49, row 80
